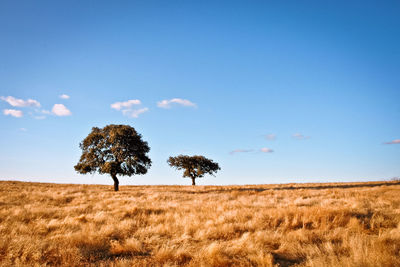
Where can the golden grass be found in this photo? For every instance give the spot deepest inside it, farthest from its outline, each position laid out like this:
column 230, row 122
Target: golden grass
column 352, row 224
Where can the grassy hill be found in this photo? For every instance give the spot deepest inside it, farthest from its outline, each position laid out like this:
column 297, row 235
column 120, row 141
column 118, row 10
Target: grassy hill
column 335, row 224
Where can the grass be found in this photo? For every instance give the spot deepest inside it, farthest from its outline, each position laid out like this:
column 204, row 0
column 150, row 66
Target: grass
column 346, row 224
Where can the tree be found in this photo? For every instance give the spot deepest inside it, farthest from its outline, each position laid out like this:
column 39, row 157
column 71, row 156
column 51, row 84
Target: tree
column 194, row 166
column 116, row 150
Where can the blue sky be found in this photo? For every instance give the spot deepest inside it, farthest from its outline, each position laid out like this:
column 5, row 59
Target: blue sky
column 275, row 91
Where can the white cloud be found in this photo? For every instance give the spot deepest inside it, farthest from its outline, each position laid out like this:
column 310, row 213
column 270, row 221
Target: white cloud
column 127, row 108
column 167, row 103
column 13, row 112
column 241, row 151
column 300, row 136
column 266, row 150
column 60, row 110
column 15, row 102
column 396, row 141
column 134, row 112
column 125, row 105
column 270, row 136
column 64, row 96
column 23, row 129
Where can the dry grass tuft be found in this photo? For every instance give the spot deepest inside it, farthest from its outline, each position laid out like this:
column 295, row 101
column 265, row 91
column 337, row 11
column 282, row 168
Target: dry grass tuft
column 341, row 224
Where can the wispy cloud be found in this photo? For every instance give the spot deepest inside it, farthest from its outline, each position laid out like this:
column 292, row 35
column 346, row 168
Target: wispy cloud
column 266, row 150
column 300, row 136
column 166, row 103
column 39, row 114
column 125, row 105
column 396, row 141
column 64, row 96
column 13, row 112
column 241, row 151
column 23, row 129
column 134, row 112
column 60, row 110
column 41, row 117
column 127, row 108
column 270, row 136
column 15, row 102
column 263, row 150
column 44, row 111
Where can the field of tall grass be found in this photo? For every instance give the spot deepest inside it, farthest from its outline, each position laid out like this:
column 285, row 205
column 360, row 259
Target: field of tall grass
column 337, row 224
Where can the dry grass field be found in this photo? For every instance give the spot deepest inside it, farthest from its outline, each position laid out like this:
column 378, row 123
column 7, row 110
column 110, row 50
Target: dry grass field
column 352, row 224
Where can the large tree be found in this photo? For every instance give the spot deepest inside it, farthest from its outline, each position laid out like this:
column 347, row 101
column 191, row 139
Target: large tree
column 115, row 150
column 194, row 166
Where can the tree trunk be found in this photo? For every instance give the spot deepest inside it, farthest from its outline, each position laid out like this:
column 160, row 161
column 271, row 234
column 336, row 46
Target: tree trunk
column 116, row 182
column 193, row 181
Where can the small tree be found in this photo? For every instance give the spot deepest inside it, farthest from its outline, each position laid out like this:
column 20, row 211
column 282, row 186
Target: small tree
column 194, row 166
column 116, row 150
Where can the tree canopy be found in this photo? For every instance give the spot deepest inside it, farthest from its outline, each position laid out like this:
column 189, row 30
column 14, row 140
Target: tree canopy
column 115, row 150
column 194, row 166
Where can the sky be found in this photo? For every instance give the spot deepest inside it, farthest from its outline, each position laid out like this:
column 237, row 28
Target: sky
column 274, row 91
